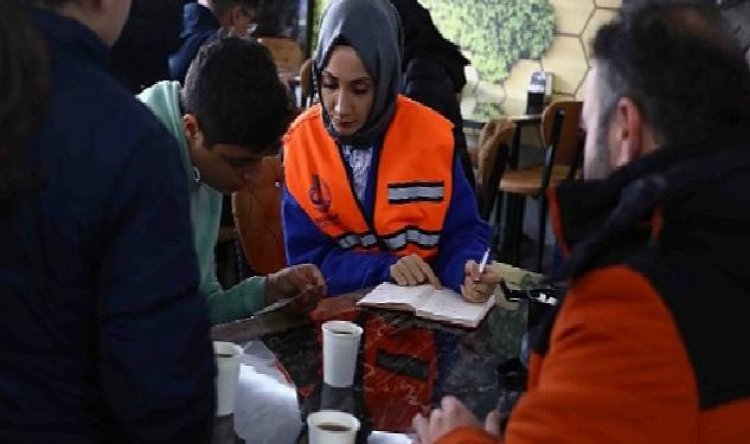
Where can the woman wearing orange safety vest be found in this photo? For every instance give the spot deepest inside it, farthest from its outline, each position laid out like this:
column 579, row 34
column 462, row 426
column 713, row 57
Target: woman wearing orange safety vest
column 373, row 189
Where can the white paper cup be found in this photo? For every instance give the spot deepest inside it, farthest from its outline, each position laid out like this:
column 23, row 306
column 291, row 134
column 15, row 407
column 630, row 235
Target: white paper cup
column 228, row 357
column 332, row 427
column 340, row 347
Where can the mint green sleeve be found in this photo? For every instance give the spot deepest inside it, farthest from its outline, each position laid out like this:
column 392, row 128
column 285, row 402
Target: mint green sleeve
column 239, row 302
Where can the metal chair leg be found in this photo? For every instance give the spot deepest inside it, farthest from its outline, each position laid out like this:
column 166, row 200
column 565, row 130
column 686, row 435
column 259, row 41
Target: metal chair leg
column 542, row 232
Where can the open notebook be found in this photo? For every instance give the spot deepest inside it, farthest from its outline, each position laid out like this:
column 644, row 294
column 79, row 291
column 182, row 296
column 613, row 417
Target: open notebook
column 426, row 302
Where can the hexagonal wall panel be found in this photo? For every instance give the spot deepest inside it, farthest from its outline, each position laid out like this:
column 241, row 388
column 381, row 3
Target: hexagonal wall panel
column 615, row 4
column 567, row 61
column 600, row 17
column 572, row 15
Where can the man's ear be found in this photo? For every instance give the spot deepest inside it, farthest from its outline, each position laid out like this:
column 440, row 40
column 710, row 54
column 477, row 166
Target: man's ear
column 626, row 133
column 192, row 129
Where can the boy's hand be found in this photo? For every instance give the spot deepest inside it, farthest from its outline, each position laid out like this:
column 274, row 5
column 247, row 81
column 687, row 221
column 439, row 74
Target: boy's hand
column 305, row 280
column 413, row 270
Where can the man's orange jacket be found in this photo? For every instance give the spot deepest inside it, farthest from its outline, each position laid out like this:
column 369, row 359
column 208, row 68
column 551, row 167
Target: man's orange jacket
column 650, row 343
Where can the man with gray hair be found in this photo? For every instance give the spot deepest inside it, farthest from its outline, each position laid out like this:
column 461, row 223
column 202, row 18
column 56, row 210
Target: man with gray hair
column 647, row 345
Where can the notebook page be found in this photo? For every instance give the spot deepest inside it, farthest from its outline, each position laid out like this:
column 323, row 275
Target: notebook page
column 447, row 305
column 387, row 294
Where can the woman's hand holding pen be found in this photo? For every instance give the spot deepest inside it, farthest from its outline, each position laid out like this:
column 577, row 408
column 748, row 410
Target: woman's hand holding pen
column 479, row 286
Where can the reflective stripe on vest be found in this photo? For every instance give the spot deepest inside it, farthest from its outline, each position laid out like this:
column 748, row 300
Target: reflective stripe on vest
column 400, row 193
column 349, row 241
column 413, row 186
column 412, row 236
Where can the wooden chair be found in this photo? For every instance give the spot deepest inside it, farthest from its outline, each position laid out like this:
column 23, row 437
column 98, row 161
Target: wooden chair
column 307, row 91
column 257, row 216
column 563, row 141
column 494, row 148
column 287, row 54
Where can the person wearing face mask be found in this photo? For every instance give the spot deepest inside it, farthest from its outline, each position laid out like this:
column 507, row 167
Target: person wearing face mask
column 202, row 20
column 223, row 136
column 374, row 189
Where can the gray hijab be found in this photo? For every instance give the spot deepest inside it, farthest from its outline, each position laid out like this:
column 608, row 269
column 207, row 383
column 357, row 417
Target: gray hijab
column 373, row 29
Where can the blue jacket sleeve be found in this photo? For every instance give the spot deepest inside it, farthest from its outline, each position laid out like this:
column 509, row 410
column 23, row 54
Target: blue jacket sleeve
column 344, row 271
column 465, row 234
column 155, row 358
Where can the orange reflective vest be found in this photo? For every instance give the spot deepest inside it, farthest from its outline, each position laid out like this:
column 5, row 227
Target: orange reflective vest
column 413, row 187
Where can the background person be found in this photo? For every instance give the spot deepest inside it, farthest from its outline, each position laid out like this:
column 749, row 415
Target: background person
column 103, row 334
column 201, row 21
column 433, row 72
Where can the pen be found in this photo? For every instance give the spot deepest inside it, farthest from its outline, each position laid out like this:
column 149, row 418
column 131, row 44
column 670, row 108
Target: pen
column 284, row 302
column 483, row 263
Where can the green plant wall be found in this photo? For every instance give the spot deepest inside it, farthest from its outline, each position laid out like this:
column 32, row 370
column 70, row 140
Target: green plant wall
column 496, row 33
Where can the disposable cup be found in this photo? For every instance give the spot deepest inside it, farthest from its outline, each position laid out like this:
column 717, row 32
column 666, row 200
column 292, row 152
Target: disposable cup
column 332, row 427
column 228, row 356
column 340, row 348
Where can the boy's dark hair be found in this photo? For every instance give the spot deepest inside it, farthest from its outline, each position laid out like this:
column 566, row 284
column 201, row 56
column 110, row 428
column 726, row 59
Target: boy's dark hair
column 678, row 64
column 24, row 76
column 233, row 89
column 220, row 7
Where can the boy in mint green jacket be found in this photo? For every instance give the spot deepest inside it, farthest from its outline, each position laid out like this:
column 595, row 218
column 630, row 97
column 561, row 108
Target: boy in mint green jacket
column 231, row 113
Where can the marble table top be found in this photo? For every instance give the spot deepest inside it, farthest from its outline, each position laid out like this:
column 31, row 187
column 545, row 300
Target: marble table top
column 405, row 364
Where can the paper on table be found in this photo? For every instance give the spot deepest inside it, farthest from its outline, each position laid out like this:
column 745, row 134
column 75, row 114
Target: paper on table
column 393, row 294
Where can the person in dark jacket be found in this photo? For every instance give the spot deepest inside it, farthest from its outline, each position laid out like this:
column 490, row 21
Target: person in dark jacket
column 151, row 34
column 104, row 337
column 433, row 72
column 647, row 346
column 202, row 20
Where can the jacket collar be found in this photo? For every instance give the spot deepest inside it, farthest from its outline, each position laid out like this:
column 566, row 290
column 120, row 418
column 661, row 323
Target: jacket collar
column 72, row 36
column 593, row 218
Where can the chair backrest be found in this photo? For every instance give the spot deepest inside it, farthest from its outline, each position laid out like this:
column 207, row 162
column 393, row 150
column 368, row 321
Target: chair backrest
column 306, row 83
column 257, row 216
column 495, row 140
column 287, row 54
column 569, row 136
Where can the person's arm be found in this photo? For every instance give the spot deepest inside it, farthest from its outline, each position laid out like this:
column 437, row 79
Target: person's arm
column 238, row 302
column 155, row 361
column 249, row 296
column 465, row 234
column 344, row 270
column 616, row 372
